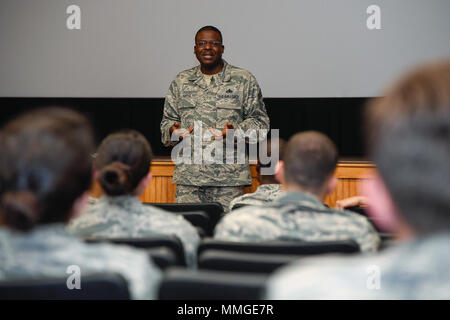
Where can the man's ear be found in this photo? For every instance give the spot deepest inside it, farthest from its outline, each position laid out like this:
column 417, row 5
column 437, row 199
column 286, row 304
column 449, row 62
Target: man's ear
column 279, row 172
column 331, row 184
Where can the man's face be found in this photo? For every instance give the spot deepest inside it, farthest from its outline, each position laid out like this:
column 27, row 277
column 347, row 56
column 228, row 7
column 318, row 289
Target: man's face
column 208, row 48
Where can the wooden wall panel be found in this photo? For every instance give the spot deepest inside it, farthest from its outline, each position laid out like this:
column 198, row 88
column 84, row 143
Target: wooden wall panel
column 162, row 190
column 350, row 176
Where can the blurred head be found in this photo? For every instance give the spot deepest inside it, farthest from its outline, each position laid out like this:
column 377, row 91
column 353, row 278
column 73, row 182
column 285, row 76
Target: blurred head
column 45, row 167
column 123, row 163
column 309, row 162
column 409, row 140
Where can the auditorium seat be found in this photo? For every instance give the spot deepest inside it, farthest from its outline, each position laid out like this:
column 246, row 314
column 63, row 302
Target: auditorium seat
column 223, row 260
column 281, row 246
column 183, row 284
column 200, row 220
column 357, row 209
column 264, row 256
column 109, row 286
column 165, row 250
column 239, row 205
column 213, row 210
column 387, row 239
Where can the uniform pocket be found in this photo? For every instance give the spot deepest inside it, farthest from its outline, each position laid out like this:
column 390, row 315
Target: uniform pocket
column 187, row 114
column 228, row 112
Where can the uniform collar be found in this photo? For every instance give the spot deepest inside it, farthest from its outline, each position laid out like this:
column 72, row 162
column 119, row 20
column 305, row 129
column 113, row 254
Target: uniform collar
column 269, row 186
column 300, row 198
column 123, row 200
column 223, row 76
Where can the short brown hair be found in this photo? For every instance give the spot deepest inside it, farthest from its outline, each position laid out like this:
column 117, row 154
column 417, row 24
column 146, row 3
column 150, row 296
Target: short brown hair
column 310, row 159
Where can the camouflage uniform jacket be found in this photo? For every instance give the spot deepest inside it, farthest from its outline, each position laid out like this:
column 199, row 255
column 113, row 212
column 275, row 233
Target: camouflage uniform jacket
column 297, row 215
column 417, row 269
column 234, row 96
column 47, row 251
column 126, row 216
column 264, row 193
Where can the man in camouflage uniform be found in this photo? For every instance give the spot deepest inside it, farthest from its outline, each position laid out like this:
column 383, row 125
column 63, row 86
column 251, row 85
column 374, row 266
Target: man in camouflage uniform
column 270, row 187
column 125, row 216
column 220, row 97
column 266, row 192
column 48, row 250
column 307, row 172
column 409, row 138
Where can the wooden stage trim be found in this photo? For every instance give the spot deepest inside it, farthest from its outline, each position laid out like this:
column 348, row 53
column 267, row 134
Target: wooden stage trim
column 350, row 177
column 161, row 189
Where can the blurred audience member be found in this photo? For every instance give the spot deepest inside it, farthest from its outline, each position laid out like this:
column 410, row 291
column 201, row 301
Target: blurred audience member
column 409, row 139
column 122, row 167
column 307, row 175
column 45, row 171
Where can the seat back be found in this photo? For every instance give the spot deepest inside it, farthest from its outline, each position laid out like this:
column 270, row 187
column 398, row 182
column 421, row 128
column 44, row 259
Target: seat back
column 387, row 238
column 263, row 257
column 200, row 220
column 165, row 250
column 358, row 209
column 110, row 286
column 239, row 205
column 233, row 261
column 182, row 284
column 281, row 246
column 213, row 210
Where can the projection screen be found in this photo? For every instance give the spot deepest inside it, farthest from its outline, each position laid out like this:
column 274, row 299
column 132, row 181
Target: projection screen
column 295, row 48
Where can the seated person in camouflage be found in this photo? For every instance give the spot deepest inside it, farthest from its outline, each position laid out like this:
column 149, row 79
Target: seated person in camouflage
column 299, row 213
column 45, row 172
column 409, row 132
column 122, row 167
column 270, row 187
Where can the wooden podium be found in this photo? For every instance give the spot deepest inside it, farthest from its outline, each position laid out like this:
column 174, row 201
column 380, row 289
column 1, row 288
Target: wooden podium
column 350, row 175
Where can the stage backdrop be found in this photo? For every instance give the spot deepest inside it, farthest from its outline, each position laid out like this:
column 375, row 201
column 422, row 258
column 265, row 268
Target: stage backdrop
column 295, row 48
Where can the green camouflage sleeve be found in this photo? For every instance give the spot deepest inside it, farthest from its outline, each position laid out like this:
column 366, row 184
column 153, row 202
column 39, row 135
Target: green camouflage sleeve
column 367, row 237
column 255, row 115
column 170, row 113
column 235, row 226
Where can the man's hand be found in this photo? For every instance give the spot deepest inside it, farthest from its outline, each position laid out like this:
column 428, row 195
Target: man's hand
column 219, row 135
column 177, row 131
column 351, row 202
column 228, row 125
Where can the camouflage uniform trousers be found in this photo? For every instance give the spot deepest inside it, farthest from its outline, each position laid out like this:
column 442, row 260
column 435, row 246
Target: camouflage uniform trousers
column 202, row 194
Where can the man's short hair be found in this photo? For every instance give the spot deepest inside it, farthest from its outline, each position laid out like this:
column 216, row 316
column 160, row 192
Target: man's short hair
column 209, row 28
column 410, row 144
column 310, row 159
